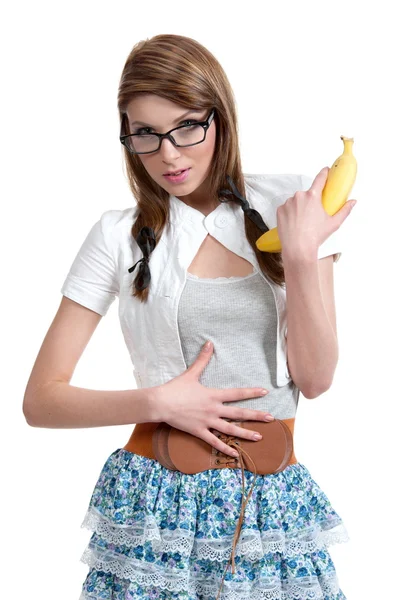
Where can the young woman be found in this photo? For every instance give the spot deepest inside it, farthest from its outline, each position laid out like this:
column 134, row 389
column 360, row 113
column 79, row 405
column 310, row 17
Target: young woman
column 184, row 263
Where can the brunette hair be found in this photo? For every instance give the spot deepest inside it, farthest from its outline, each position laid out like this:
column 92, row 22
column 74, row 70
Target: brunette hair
column 183, row 71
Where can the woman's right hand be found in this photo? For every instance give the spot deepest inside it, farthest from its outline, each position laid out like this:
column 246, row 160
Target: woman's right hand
column 186, row 404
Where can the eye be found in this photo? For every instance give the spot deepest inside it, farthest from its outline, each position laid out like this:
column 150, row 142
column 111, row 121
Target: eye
column 143, row 130
column 148, row 130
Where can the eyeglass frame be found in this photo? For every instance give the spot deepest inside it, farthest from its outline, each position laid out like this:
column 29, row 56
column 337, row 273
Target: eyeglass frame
column 205, row 124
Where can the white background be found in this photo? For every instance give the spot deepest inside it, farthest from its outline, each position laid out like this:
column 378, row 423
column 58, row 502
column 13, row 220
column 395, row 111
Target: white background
column 303, row 74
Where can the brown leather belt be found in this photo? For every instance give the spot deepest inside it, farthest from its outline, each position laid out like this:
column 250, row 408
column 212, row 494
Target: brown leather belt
column 141, row 442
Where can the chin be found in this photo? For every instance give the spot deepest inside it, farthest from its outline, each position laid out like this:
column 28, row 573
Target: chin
column 184, row 189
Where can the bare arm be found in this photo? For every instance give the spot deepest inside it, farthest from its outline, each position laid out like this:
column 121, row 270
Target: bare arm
column 312, row 344
column 50, row 401
column 59, row 405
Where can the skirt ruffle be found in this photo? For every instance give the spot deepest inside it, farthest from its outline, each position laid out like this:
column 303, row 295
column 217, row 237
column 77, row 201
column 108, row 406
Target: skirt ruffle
column 163, row 534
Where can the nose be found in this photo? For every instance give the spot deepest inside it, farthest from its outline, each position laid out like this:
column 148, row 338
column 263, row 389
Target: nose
column 168, row 149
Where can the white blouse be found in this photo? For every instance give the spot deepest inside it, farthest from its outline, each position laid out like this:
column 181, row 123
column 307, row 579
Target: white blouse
column 99, row 272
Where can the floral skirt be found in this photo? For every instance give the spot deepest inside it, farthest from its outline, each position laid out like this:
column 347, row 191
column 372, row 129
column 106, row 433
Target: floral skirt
column 164, row 534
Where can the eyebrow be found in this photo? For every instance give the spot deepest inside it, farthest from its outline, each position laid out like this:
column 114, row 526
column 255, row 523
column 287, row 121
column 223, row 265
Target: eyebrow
column 174, row 122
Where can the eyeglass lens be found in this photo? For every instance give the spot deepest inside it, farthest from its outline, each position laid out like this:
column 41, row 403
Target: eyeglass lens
column 184, row 136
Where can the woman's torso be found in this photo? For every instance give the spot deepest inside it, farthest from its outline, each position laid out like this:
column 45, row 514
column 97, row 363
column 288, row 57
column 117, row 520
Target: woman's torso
column 227, row 301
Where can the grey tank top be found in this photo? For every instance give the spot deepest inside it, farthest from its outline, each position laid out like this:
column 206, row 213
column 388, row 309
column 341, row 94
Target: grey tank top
column 238, row 315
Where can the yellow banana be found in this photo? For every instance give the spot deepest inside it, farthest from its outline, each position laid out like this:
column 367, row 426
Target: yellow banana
column 338, row 186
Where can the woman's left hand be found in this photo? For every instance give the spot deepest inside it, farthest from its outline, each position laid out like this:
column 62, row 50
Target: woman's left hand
column 303, row 224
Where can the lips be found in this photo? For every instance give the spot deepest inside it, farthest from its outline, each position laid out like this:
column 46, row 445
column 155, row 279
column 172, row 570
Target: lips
column 175, row 172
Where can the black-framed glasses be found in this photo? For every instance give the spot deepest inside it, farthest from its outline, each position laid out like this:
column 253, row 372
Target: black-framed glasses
column 183, row 136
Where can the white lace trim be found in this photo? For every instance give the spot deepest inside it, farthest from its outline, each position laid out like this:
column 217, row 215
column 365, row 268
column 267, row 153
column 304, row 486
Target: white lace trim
column 252, row 544
column 220, row 279
column 179, row 540
column 174, row 580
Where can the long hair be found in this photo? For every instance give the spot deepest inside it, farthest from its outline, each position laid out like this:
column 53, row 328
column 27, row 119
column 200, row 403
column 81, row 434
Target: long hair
column 183, row 71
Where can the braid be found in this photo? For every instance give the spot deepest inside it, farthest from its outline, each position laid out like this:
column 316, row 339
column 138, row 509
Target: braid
column 250, row 212
column 146, row 237
column 146, row 241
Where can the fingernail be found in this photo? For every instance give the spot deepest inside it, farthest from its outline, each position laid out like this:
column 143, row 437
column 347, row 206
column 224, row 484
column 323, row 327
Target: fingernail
column 353, row 204
column 207, row 346
column 263, row 391
column 269, row 417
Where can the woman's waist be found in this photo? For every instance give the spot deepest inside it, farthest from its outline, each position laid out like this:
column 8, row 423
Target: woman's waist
column 280, row 402
column 141, row 440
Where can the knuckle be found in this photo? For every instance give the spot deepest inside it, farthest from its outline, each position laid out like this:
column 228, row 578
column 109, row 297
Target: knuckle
column 222, row 447
column 240, row 414
column 214, row 398
column 229, row 429
column 216, row 428
column 219, row 445
column 235, row 430
column 208, row 438
column 247, row 434
column 217, row 404
column 212, row 406
column 216, row 411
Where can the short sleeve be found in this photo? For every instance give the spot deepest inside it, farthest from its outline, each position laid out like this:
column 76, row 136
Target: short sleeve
column 334, row 243
column 93, row 277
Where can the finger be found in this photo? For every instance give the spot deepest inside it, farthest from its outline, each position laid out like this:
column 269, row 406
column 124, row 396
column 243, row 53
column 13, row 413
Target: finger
column 247, row 414
column 202, row 360
column 214, row 441
column 342, row 214
column 236, row 431
column 231, row 394
column 319, row 182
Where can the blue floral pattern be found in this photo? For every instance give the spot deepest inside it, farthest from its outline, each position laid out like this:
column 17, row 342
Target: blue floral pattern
column 163, row 534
